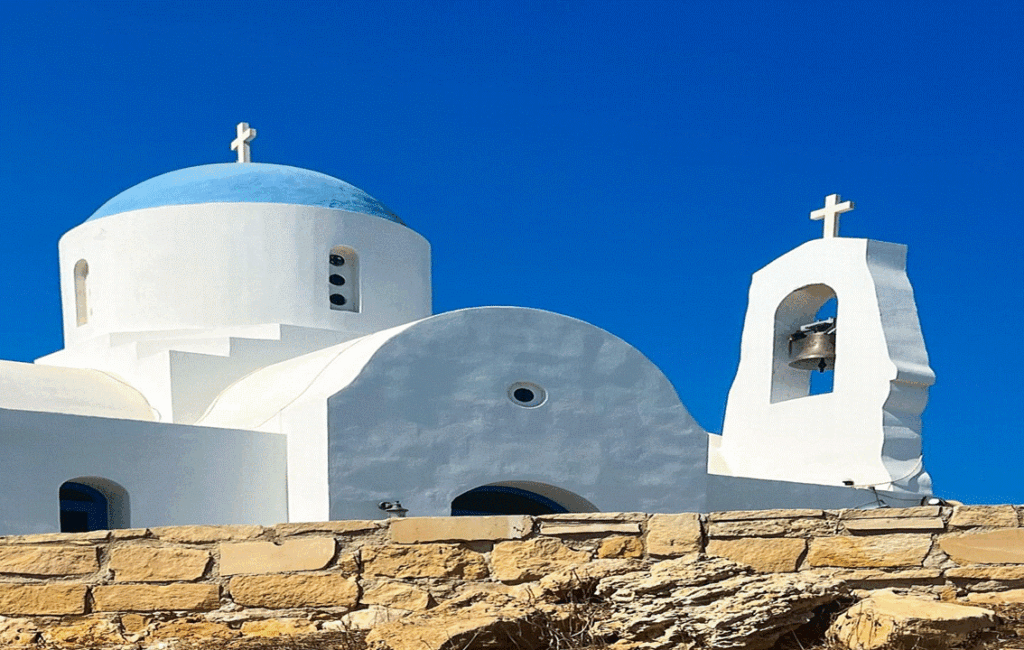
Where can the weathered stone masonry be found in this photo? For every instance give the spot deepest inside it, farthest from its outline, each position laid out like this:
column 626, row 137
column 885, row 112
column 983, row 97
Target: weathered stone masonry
column 230, row 581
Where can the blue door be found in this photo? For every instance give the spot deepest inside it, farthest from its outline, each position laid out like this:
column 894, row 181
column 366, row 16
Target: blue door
column 82, row 509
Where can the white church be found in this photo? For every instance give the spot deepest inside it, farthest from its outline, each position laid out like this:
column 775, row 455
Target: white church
column 254, row 343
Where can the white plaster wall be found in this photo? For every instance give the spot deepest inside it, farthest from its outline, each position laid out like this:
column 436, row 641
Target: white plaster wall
column 174, row 475
column 428, row 417
column 227, row 265
column 867, row 430
column 29, row 387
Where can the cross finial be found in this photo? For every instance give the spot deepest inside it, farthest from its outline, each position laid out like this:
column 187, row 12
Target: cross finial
column 241, row 143
column 830, row 214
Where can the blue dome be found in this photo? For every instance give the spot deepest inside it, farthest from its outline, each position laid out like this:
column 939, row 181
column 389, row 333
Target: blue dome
column 245, row 183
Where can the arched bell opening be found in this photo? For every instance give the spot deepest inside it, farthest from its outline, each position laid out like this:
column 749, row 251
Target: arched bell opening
column 518, row 498
column 806, row 329
column 92, row 503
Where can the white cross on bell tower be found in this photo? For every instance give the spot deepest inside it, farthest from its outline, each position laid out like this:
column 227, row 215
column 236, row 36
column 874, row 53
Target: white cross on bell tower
column 830, row 214
column 241, row 143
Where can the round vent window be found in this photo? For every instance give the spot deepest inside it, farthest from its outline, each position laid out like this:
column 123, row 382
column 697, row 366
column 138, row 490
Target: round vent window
column 525, row 394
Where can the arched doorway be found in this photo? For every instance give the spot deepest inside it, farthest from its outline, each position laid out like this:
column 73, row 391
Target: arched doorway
column 518, row 498
column 92, row 503
column 82, row 509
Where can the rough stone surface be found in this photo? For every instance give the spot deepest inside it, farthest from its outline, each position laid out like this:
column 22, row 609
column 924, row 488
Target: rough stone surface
column 986, row 572
column 974, row 516
column 529, row 560
column 340, row 527
column 889, row 513
column 274, row 627
column 87, row 633
column 886, row 620
column 39, row 600
column 149, row 564
column 588, row 528
column 424, row 561
column 48, row 560
column 365, row 619
column 712, row 603
column 620, row 546
column 67, row 538
column 991, row 547
column 153, row 598
column 765, row 555
column 18, row 632
column 868, row 577
column 594, row 516
column 497, row 622
column 414, row 530
column 285, row 591
column 744, row 515
column 674, row 535
column 874, row 551
column 1009, row 597
column 205, row 534
column 770, row 528
column 192, row 629
column 397, row 595
column 896, row 524
column 134, row 623
column 300, row 554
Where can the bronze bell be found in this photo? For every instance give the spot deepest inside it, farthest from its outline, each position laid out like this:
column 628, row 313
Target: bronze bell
column 813, row 346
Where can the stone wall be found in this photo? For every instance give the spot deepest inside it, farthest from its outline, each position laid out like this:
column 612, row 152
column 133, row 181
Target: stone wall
column 141, row 586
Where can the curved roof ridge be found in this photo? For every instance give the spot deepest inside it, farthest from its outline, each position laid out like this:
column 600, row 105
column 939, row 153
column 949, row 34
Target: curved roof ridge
column 245, row 183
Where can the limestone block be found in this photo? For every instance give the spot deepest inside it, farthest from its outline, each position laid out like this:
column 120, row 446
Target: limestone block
column 424, row 561
column 303, row 590
column 973, row 516
column 496, row 622
column 891, row 513
column 992, row 547
column 15, row 632
column 190, row 630
column 620, row 546
column 765, row 555
column 532, row 559
column 674, row 535
column 859, row 577
column 1010, row 597
column 414, row 530
column 300, row 554
column 206, row 534
column 365, row 619
column 128, row 533
column 896, row 524
column 274, row 627
column 984, row 572
column 93, row 632
column 41, row 600
column 396, row 594
column 778, row 527
column 134, row 623
column 746, row 515
column 594, row 516
column 886, row 620
column 874, row 551
column 68, row 538
column 49, row 560
column 154, row 598
column 337, row 527
column 588, row 528
column 151, row 564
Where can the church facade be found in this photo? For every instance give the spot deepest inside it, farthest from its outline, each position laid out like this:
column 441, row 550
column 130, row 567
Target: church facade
column 254, row 343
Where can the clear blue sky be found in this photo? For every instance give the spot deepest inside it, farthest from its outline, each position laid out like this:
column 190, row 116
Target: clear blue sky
column 626, row 163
